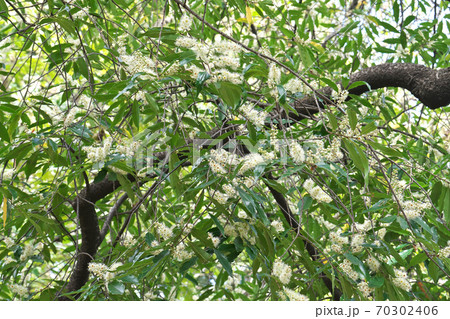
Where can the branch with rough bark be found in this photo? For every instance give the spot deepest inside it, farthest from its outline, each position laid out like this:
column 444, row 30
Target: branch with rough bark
column 429, row 86
column 312, row 252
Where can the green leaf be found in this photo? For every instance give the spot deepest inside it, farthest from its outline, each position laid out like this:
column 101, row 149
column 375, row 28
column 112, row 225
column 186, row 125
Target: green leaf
column 224, row 261
column 376, row 282
column 275, row 185
column 333, row 120
column 3, row 6
column 188, row 264
column 127, row 186
column 358, row 157
column 368, row 128
column 229, row 93
column 418, row 259
column 130, row 279
column 352, row 118
column 116, row 288
column 4, row 135
column 385, row 150
column 330, row 83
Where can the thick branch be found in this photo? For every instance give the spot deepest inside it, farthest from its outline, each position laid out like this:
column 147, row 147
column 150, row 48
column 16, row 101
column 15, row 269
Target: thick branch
column 312, row 252
column 84, row 205
column 431, row 87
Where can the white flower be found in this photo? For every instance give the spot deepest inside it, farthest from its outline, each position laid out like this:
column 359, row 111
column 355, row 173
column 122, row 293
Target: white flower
column 365, row 289
column 294, row 296
column 215, row 240
column 308, row 184
column 274, row 75
column 229, row 190
column 163, row 231
column 185, row 23
column 337, row 238
column 297, row 153
column 71, row 116
column 9, row 242
column 230, row 230
column 185, row 42
column 242, row 214
column 216, row 167
column 128, row 241
column 221, row 198
column 27, row 252
column 250, row 161
column 180, row 253
column 373, row 263
column 294, row 85
column 381, row 233
column 346, row 267
column 232, row 282
column 357, row 241
column 18, row 289
column 278, row 225
column 254, row 116
column 444, row 252
column 98, row 269
column 282, row 271
column 8, row 259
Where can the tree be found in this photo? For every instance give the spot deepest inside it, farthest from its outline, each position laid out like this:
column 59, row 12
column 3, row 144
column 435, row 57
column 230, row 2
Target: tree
column 254, row 150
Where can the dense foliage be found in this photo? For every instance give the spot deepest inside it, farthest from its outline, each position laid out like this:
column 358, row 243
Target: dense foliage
column 171, row 125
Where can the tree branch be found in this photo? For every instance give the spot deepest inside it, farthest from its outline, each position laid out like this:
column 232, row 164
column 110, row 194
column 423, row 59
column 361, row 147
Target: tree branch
column 429, row 86
column 312, row 252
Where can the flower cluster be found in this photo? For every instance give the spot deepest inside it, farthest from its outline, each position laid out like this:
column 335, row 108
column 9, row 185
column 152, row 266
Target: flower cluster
column 30, row 250
column 340, row 96
column 254, row 116
column 373, row 263
column 163, row 231
column 222, row 157
column 357, row 242
column 185, row 23
column 128, row 240
column 297, row 153
column 364, row 288
column 98, row 153
column 411, row 208
column 278, row 225
column 292, row 295
column 18, row 289
column 250, row 161
column 129, row 148
column 180, row 253
column 318, row 152
column 274, row 76
column 137, row 63
column 232, row 282
column 226, row 76
column 186, row 42
column 215, row 240
column 220, row 197
column 102, row 271
column 239, row 229
column 282, row 271
column 9, row 242
column 216, row 57
column 316, row 192
column 444, row 252
column 71, row 116
column 346, row 267
column 401, row 280
column 295, row 85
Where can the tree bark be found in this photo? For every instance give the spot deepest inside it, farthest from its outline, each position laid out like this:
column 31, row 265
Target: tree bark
column 429, row 86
